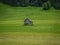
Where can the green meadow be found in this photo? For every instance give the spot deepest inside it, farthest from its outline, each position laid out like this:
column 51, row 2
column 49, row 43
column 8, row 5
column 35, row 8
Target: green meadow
column 45, row 29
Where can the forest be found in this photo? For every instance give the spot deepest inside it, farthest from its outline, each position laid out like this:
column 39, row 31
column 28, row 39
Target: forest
column 46, row 4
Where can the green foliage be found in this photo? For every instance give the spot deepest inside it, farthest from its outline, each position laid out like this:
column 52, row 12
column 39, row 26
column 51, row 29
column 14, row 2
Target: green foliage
column 55, row 4
column 46, row 6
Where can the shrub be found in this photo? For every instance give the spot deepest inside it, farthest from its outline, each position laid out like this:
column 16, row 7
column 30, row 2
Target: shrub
column 46, row 6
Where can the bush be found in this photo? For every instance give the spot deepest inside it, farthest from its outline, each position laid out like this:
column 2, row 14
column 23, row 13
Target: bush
column 46, row 6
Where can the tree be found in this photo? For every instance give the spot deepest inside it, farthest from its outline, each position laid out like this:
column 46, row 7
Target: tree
column 46, row 6
column 55, row 3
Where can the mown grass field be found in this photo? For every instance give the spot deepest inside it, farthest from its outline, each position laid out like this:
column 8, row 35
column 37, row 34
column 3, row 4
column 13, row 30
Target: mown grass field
column 17, row 38
column 45, row 31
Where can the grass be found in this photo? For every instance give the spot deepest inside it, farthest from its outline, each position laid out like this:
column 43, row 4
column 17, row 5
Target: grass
column 12, row 19
column 39, row 26
column 35, row 13
column 17, row 38
column 45, row 31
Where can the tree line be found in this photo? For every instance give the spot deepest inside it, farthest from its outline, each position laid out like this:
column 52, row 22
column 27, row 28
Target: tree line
column 46, row 4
